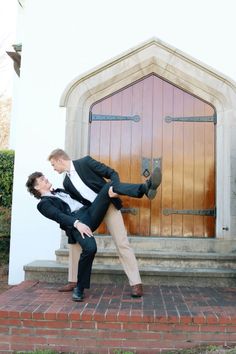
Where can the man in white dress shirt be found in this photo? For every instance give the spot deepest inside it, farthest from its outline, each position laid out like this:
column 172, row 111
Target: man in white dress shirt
column 83, row 180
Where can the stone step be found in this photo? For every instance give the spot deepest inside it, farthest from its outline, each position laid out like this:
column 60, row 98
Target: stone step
column 170, row 244
column 163, row 259
column 53, row 271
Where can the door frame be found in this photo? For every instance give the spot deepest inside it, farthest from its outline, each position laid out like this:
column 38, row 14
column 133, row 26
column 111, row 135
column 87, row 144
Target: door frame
column 182, row 71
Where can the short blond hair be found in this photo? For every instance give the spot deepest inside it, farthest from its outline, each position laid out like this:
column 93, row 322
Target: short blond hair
column 58, row 154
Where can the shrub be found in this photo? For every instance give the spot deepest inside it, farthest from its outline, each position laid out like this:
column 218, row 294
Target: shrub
column 6, row 183
column 5, row 225
column 5, row 221
column 6, row 177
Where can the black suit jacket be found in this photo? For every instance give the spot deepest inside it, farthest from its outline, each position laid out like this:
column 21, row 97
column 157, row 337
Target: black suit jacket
column 55, row 209
column 94, row 174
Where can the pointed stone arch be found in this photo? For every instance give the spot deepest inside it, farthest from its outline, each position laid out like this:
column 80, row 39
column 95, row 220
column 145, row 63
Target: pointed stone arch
column 187, row 73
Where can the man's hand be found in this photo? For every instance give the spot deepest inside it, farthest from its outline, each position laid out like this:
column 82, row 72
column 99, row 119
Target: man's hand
column 111, row 193
column 83, row 229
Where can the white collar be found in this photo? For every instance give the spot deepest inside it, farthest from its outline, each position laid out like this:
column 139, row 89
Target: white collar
column 47, row 194
column 72, row 168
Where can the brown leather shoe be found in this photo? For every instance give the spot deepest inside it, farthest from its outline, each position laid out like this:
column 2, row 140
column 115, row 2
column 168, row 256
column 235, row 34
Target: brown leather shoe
column 137, row 290
column 68, row 287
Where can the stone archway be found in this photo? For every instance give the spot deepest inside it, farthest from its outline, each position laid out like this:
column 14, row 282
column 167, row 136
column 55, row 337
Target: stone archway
column 183, row 71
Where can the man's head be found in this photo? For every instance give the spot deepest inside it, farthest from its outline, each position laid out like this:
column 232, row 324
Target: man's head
column 37, row 184
column 60, row 161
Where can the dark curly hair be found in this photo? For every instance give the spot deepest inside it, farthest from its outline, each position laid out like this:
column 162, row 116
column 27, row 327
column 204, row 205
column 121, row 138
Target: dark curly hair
column 30, row 184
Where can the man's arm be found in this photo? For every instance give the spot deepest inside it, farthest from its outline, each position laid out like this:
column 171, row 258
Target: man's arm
column 50, row 211
column 103, row 170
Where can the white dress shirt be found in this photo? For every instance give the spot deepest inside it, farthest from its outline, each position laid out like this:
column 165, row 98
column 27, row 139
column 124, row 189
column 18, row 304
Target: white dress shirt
column 73, row 204
column 81, row 187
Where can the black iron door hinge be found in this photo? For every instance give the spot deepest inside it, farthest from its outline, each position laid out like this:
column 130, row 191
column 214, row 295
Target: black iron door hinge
column 200, row 212
column 211, row 119
column 109, row 117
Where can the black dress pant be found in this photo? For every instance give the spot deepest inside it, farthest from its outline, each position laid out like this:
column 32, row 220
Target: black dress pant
column 130, row 189
column 92, row 216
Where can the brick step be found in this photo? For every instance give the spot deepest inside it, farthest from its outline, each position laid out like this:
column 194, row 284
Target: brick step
column 53, row 271
column 162, row 259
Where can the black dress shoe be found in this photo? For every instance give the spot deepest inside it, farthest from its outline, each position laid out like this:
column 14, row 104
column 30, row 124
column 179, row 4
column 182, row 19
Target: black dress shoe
column 153, row 183
column 137, row 290
column 78, row 294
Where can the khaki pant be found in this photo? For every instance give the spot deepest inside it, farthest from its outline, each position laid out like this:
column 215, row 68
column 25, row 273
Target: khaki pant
column 115, row 224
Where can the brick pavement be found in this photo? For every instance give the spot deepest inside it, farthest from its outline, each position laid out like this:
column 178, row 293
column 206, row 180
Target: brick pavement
column 167, row 317
column 159, row 300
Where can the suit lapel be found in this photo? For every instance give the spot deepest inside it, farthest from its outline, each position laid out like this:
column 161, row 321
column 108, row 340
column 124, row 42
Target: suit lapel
column 55, row 200
column 84, row 172
column 79, row 170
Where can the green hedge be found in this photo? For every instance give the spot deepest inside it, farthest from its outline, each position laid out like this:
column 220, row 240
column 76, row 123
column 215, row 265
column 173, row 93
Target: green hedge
column 6, row 177
column 6, row 184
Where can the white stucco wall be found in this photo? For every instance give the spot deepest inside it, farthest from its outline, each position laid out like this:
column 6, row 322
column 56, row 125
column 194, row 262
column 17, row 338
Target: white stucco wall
column 62, row 39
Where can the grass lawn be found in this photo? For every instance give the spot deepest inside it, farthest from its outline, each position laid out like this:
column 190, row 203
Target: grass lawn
column 210, row 349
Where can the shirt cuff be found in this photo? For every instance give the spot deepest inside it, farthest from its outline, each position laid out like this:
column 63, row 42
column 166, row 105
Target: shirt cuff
column 75, row 223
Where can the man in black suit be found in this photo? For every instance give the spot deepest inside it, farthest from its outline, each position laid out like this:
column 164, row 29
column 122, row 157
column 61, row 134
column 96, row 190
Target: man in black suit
column 84, row 179
column 77, row 220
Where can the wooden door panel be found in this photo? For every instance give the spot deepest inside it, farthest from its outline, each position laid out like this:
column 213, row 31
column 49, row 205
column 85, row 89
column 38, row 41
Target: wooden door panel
column 167, row 163
column 186, row 149
column 199, row 170
column 136, row 153
column 178, row 166
column 157, row 146
column 146, row 135
column 125, row 146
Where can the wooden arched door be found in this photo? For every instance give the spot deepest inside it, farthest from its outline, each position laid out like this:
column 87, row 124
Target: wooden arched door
column 150, row 123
